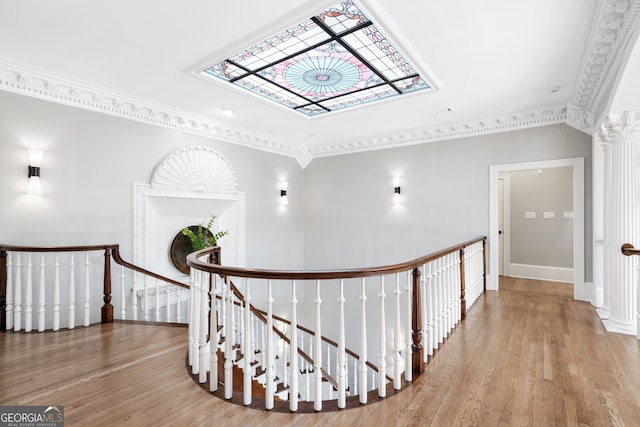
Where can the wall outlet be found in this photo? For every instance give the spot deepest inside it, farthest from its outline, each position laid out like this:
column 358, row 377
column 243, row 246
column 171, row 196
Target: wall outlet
column 549, row 215
column 530, row 215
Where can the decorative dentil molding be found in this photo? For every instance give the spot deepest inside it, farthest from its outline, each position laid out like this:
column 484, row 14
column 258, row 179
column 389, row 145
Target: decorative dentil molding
column 612, row 29
column 533, row 118
column 195, row 169
column 620, row 126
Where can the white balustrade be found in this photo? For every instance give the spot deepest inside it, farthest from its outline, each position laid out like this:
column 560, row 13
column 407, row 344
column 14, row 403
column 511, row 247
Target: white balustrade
column 72, row 293
column 10, row 300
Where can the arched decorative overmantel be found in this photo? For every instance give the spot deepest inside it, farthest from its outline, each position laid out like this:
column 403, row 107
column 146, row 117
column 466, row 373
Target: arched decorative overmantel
column 186, row 188
column 195, row 169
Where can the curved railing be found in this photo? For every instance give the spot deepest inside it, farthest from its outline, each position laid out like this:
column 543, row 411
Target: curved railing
column 431, row 294
column 628, row 249
column 42, row 283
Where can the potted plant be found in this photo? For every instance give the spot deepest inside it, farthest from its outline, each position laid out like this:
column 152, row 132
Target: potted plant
column 203, row 237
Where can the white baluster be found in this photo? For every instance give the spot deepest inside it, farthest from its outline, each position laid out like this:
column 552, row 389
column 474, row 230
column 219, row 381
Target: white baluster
column 213, row 337
column 355, row 376
column 72, row 293
column 204, row 344
column 442, row 312
column 191, row 317
column 382, row 362
column 145, row 299
column 317, row 353
column 56, row 295
column 134, row 296
column 156, row 299
column 329, row 360
column 10, row 314
column 363, row 342
column 342, row 396
column 270, row 368
column 294, row 373
column 17, row 297
column 408, row 371
column 28, row 299
column 248, row 354
column 195, row 366
column 397, row 358
column 87, row 291
column 123, row 295
column 168, row 290
column 179, row 305
column 228, row 353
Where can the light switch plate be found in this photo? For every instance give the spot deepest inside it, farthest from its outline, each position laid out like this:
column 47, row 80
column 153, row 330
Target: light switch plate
column 567, row 215
column 549, row 214
column 530, row 215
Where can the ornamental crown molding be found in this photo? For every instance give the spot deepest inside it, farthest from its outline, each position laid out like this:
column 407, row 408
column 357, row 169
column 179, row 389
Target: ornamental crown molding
column 612, row 29
column 30, row 81
column 536, row 117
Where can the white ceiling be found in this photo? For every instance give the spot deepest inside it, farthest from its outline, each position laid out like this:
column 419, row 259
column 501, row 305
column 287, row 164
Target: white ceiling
column 496, row 60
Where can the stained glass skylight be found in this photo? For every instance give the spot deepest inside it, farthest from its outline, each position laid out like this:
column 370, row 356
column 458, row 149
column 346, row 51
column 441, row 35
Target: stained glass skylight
column 334, row 60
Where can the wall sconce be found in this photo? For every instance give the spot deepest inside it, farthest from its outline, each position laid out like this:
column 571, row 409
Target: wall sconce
column 396, row 190
column 35, row 160
column 283, row 193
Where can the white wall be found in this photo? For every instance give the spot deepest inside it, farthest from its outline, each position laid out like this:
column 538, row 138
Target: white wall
column 90, row 163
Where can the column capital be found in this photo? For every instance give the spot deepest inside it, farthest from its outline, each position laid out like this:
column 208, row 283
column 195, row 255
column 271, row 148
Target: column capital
column 618, row 126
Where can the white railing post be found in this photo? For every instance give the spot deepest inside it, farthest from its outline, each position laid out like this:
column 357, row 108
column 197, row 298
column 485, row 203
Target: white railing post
column 134, row 296
column 382, row 352
column 72, row 293
column 213, row 333
column 195, row 366
column 17, row 297
column 87, row 291
column 248, row 351
column 28, row 299
column 204, row 344
column 156, row 300
column 429, row 337
column 123, row 304
column 317, row 352
column 293, row 340
column 228, row 343
column 42, row 297
column 342, row 388
column 397, row 359
column 56, row 295
column 270, row 368
column 363, row 342
column 10, row 300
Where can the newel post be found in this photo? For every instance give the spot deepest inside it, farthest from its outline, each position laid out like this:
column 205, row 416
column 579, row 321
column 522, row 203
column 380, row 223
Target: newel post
column 484, row 264
column 463, row 300
column 417, row 351
column 107, row 308
column 3, row 290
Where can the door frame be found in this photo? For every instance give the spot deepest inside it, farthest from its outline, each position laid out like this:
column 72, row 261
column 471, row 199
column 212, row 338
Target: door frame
column 577, row 164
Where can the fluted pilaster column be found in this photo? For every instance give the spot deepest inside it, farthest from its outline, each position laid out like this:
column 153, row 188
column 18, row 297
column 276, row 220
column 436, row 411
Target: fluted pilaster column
column 621, row 136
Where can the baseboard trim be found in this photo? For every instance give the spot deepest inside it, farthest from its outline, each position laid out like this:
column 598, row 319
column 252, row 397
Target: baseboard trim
column 541, row 272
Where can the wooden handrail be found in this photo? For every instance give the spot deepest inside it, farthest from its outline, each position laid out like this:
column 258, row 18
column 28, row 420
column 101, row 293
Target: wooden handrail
column 193, row 261
column 628, row 250
column 110, row 251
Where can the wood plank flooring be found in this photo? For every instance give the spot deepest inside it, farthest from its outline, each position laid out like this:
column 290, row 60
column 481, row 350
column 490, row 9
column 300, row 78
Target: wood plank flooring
column 528, row 355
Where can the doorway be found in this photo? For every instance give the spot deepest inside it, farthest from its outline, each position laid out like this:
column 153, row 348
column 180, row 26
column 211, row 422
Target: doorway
column 577, row 165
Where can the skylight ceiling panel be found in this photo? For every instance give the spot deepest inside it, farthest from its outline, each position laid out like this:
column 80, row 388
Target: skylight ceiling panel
column 271, row 91
column 315, row 61
column 342, row 17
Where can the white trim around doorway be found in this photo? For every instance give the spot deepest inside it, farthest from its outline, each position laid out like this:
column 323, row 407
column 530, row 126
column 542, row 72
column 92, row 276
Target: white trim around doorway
column 577, row 164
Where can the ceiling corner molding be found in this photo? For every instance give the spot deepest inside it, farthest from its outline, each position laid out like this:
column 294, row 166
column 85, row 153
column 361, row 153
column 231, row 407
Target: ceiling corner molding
column 29, row 81
column 612, row 29
column 533, row 118
column 579, row 118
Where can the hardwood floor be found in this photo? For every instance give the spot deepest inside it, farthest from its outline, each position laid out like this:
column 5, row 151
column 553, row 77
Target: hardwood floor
column 527, row 355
